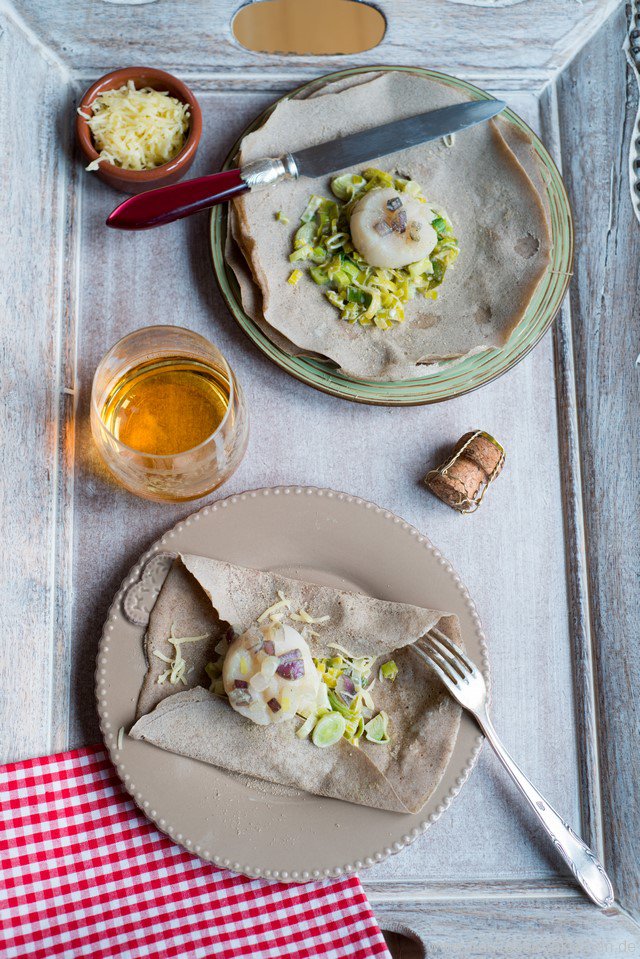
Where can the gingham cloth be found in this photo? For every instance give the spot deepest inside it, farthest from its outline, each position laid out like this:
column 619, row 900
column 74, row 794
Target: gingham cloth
column 83, row 873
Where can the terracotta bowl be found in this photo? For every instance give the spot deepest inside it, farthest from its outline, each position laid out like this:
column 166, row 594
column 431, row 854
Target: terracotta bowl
column 138, row 181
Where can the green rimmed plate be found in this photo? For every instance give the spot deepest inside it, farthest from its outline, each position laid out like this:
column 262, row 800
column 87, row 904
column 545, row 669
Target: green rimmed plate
column 450, row 378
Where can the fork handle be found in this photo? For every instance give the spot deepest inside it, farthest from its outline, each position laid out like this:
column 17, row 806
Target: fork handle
column 585, row 867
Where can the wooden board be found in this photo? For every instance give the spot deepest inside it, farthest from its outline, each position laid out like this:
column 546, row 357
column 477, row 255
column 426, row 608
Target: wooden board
column 551, row 558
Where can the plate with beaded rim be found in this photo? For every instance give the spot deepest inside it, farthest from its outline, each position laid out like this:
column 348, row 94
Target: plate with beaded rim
column 259, row 829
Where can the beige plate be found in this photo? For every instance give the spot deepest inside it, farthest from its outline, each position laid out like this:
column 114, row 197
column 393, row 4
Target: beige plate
column 255, row 828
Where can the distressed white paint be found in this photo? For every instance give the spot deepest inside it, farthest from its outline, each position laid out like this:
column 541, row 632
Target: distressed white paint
column 527, row 43
column 74, row 287
column 633, row 59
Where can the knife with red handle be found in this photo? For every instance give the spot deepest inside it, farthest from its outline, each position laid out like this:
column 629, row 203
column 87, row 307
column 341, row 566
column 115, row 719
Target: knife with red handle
column 182, row 199
column 169, row 203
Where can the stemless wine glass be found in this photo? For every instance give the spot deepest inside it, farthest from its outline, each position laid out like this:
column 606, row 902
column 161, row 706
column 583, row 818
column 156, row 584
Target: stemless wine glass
column 167, row 414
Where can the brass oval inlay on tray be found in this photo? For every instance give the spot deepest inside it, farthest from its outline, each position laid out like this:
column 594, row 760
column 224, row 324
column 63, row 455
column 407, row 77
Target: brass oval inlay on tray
column 332, row 27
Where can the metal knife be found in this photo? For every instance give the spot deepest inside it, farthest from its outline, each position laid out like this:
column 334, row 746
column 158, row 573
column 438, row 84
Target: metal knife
column 170, row 203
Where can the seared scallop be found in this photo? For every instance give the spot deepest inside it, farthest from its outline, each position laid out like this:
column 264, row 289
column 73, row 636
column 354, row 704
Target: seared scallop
column 391, row 229
column 269, row 675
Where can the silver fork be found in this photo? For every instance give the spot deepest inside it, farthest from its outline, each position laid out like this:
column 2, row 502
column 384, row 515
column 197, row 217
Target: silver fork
column 466, row 684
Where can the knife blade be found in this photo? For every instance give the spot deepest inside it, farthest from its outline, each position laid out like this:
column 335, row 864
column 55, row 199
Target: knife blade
column 166, row 204
column 391, row 137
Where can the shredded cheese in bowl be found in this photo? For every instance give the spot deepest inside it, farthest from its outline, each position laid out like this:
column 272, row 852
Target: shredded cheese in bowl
column 137, row 129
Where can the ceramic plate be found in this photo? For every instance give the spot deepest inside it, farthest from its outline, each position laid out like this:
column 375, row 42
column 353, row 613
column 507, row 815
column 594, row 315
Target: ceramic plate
column 453, row 377
column 256, row 828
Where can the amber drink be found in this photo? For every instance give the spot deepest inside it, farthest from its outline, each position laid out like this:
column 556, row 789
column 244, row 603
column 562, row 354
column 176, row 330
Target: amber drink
column 167, row 414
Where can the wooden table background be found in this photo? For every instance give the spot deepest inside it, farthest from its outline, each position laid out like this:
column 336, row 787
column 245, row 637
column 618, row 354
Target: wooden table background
column 552, row 559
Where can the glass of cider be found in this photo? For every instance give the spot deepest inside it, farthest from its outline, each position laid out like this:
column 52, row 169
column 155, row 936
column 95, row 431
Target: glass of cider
column 167, row 414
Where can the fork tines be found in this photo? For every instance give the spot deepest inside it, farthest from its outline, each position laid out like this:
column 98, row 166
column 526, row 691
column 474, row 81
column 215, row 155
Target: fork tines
column 450, row 663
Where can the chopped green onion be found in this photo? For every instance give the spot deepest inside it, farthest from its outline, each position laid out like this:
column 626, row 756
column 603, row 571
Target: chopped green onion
column 213, row 670
column 333, row 298
column 304, row 253
column 419, row 267
column 354, row 295
column 328, row 730
column 280, row 216
column 311, row 208
column 339, row 707
column 374, row 305
column 388, row 670
column 318, row 275
column 376, row 729
column 304, row 236
column 345, row 187
column 307, row 726
column 295, row 277
column 350, row 268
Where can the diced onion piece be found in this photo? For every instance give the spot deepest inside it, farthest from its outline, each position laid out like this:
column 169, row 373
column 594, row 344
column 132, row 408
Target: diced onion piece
column 291, row 665
column 399, row 222
column 269, row 666
column 347, row 685
column 258, row 682
column 382, row 228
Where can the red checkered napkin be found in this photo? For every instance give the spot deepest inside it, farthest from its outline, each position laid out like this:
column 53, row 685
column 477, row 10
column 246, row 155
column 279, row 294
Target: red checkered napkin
column 83, row 873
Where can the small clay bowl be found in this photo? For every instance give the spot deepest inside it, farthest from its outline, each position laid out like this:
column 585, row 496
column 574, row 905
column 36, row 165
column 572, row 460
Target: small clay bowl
column 138, row 181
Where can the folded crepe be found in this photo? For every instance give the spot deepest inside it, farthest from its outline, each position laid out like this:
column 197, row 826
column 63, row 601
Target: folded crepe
column 488, row 182
column 205, row 596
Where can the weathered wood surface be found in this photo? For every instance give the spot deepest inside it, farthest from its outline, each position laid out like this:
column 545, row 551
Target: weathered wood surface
column 548, row 584
column 595, row 128
column 493, row 928
column 32, row 435
column 299, row 434
column 527, row 43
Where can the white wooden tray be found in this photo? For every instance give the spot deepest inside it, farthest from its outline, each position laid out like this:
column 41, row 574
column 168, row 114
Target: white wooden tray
column 549, row 558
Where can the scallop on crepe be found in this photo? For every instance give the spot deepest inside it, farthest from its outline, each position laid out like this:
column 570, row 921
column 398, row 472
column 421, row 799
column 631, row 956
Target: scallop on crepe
column 203, row 597
column 488, row 183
